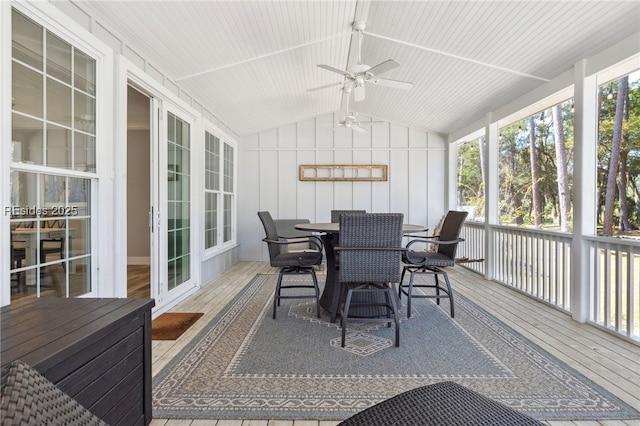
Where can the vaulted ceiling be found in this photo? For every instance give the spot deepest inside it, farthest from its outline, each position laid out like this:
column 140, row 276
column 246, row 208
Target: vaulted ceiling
column 252, row 64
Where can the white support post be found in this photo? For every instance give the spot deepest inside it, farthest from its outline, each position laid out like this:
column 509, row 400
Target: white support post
column 452, row 171
column 5, row 148
column 492, row 139
column 584, row 188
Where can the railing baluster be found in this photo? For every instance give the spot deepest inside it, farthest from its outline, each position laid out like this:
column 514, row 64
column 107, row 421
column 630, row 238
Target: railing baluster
column 618, row 292
column 633, row 321
column 607, row 288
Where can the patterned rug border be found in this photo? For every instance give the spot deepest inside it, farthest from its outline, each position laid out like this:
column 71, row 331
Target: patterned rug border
column 300, row 412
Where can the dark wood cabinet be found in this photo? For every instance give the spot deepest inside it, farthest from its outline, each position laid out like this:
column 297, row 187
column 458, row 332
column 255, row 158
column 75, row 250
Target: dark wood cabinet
column 98, row 351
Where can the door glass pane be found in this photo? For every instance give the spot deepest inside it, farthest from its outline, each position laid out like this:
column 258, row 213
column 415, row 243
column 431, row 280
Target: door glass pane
column 58, row 146
column 79, row 237
column 79, row 191
column 84, row 72
column 85, row 111
column 58, row 103
column 26, row 40
column 84, row 152
column 28, row 140
column 211, row 219
column 80, row 279
column 53, row 191
column 58, row 58
column 228, row 210
column 26, row 96
column 24, row 251
column 179, row 202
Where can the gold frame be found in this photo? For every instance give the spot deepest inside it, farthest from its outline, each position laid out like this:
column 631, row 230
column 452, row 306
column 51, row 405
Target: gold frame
column 344, row 172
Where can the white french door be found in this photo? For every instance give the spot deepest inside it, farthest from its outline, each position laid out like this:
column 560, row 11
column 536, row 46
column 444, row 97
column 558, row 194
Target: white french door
column 172, row 212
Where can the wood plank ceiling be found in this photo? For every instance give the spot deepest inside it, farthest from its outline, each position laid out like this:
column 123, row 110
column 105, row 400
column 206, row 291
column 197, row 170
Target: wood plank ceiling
column 252, row 63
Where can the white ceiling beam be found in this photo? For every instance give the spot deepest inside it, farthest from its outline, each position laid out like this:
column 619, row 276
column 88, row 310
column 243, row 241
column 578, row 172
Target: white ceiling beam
column 452, row 55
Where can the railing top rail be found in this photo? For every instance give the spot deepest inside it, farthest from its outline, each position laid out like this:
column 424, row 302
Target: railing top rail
column 613, row 241
column 474, row 224
column 523, row 230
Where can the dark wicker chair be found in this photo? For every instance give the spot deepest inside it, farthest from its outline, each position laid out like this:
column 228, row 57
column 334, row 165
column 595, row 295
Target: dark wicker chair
column 335, row 214
column 292, row 262
column 440, row 404
column 28, row 398
column 432, row 262
column 370, row 248
column 335, row 218
column 286, row 229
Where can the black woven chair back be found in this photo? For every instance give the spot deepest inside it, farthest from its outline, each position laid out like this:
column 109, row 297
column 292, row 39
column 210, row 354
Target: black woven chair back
column 450, row 231
column 271, row 233
column 371, row 230
column 335, row 214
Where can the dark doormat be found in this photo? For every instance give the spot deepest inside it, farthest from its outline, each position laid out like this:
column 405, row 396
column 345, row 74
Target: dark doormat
column 171, row 325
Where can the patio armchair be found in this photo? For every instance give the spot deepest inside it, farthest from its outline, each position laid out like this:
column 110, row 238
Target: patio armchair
column 370, row 247
column 294, row 262
column 432, row 262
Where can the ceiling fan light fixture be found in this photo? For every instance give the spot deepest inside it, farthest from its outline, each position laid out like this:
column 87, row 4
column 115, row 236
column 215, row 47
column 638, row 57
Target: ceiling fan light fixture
column 359, row 26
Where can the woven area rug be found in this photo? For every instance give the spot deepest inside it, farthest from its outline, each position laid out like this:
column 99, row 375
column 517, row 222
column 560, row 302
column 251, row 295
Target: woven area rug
column 245, row 365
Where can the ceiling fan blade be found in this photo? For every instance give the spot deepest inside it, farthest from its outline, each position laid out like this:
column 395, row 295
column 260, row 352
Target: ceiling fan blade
column 383, row 67
column 359, row 93
column 396, row 84
column 323, row 87
column 357, row 128
column 336, row 70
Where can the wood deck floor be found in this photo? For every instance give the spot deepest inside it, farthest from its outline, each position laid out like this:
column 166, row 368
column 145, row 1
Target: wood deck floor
column 610, row 361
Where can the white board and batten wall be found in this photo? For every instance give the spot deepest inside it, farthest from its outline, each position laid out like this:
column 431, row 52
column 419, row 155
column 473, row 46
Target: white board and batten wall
column 269, row 166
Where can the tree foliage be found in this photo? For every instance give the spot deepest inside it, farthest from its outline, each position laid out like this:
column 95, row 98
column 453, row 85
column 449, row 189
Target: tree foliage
column 530, row 194
column 618, row 209
column 470, row 176
column 536, row 164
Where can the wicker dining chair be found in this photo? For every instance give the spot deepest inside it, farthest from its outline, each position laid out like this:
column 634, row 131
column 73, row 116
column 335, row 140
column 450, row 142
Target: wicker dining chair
column 292, row 262
column 335, row 218
column 433, row 262
column 370, row 247
column 335, row 214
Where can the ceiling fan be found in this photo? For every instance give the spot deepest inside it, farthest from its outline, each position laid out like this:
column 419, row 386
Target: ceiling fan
column 350, row 120
column 359, row 74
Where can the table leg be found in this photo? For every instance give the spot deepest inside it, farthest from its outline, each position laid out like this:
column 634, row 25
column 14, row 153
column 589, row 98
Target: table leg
column 330, row 299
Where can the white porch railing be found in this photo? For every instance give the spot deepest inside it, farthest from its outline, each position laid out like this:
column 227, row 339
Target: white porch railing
column 534, row 261
column 538, row 262
column 473, row 246
column 615, row 285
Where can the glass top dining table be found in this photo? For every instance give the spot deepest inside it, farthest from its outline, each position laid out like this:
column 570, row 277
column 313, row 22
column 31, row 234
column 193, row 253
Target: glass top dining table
column 331, row 295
